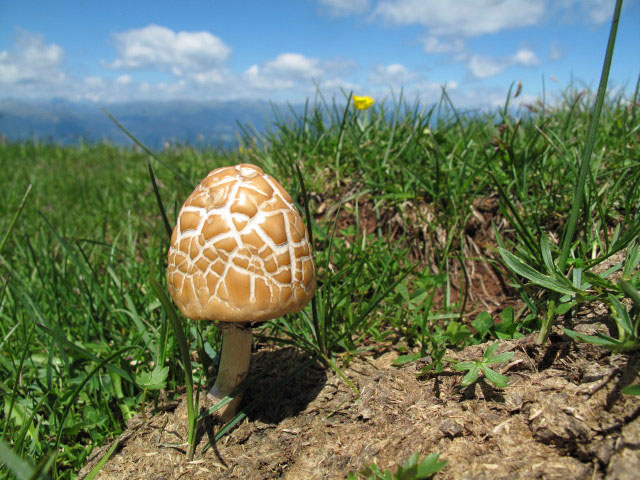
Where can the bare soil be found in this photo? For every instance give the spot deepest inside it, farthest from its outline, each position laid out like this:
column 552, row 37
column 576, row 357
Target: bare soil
column 562, row 416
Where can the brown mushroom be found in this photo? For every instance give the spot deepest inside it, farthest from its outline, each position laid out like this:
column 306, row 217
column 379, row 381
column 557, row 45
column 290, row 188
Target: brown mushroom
column 239, row 254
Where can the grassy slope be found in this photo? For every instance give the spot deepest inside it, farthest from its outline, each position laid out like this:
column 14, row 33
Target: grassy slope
column 74, row 272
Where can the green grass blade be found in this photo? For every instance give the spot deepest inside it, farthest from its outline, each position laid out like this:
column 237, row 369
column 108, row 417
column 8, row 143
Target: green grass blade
column 591, row 138
column 105, row 458
column 631, row 390
column 84, row 352
column 622, row 316
column 156, row 192
column 631, row 292
column 186, row 359
column 147, row 150
column 319, row 333
column 598, row 339
column 19, row 467
column 521, row 268
column 15, row 218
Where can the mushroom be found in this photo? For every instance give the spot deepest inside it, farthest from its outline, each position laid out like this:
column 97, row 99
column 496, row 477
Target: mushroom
column 239, row 255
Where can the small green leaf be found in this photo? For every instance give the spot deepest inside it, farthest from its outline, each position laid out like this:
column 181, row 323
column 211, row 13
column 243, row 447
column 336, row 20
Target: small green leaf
column 211, row 353
column 631, row 261
column 500, row 381
column 631, row 390
column 489, row 352
column 471, row 376
column 558, row 284
column 461, row 366
column 154, row 380
column 546, row 255
column 482, row 323
column 430, row 465
column 631, row 292
column 456, row 332
column 621, row 315
column 402, row 359
column 577, row 277
column 500, row 358
column 599, row 339
column 507, row 316
column 565, row 307
column 507, row 328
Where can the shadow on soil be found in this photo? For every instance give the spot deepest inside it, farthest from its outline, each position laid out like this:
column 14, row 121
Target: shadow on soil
column 284, row 382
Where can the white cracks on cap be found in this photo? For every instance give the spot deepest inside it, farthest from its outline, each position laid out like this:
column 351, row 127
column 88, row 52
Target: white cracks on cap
column 240, row 250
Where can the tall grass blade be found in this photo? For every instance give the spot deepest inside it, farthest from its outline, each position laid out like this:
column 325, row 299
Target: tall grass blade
column 152, row 176
column 84, row 352
column 19, row 467
column 186, row 360
column 105, row 458
column 585, row 162
column 319, row 334
column 15, row 218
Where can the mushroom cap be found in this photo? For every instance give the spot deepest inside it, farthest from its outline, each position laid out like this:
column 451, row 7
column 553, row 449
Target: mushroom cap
column 240, row 251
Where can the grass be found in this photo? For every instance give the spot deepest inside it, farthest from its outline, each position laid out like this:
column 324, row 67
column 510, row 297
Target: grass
column 409, row 208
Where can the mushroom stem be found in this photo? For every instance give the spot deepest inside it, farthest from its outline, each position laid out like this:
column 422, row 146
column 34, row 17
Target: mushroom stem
column 233, row 368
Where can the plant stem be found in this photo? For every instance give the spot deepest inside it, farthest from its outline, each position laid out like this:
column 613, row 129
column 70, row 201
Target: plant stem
column 547, row 322
column 233, row 369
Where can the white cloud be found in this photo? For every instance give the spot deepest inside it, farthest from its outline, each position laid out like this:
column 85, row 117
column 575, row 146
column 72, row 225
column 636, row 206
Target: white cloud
column 482, row 66
column 124, row 80
column 212, row 77
column 345, row 7
column 31, row 62
column 597, row 11
column 285, row 71
column 394, row 75
column 294, row 77
column 461, row 17
column 159, row 48
column 525, row 57
column 433, row 44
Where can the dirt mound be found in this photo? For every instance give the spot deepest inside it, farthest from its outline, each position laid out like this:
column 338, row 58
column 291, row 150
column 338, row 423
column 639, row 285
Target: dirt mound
column 562, row 416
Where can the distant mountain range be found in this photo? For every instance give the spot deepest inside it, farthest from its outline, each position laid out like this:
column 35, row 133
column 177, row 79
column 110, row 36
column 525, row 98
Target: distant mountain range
column 153, row 123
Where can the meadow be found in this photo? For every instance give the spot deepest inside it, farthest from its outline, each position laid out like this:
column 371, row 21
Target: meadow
column 434, row 230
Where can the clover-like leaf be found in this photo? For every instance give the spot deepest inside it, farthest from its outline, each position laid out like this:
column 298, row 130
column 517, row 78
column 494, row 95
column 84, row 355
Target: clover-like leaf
column 482, row 323
column 154, row 380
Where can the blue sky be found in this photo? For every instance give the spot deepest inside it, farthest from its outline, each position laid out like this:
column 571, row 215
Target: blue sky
column 280, row 50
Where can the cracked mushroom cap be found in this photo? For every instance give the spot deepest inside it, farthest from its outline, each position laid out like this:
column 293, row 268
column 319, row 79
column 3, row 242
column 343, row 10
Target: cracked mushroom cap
column 240, row 251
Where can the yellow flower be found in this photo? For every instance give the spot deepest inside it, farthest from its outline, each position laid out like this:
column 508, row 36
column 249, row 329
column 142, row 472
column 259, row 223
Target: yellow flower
column 362, row 103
